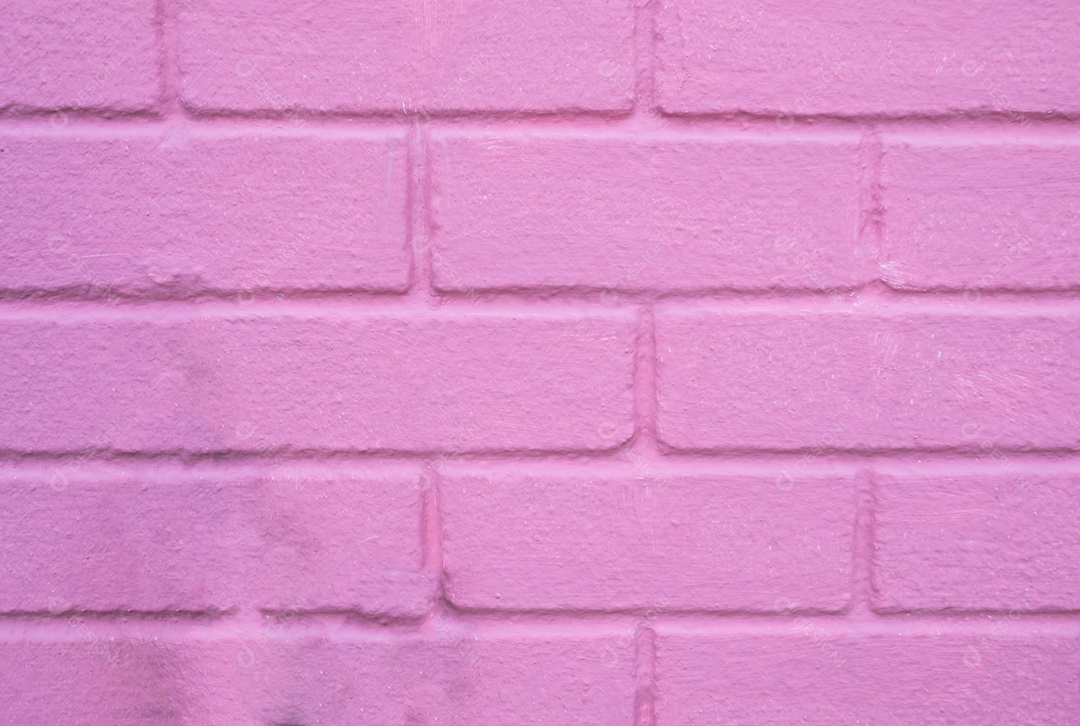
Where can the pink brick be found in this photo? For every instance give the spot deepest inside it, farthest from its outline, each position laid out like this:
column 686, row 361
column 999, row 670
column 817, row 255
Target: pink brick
column 172, row 381
column 83, row 673
column 399, row 56
column 816, row 379
column 836, row 57
column 643, row 214
column 62, row 54
column 166, row 540
column 1002, row 540
column 182, row 214
column 673, row 542
column 812, row 674
column 280, row 677
column 981, row 215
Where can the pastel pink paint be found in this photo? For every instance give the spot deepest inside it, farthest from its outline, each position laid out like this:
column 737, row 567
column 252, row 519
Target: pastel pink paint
column 576, row 362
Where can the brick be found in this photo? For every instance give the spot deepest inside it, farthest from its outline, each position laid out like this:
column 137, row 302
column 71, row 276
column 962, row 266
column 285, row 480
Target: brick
column 86, row 674
column 267, row 382
column 715, row 541
column 646, row 214
column 1004, row 540
column 280, row 677
column 836, row 57
column 444, row 56
column 825, row 379
column 161, row 540
column 61, row 54
column 973, row 216
column 180, row 215
column 811, row 674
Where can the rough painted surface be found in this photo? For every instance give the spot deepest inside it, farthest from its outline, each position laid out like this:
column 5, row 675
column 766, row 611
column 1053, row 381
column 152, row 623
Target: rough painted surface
column 856, row 379
column 168, row 540
column 316, row 382
column 518, row 541
column 437, row 55
column 170, row 215
column 985, row 216
column 646, row 214
column 808, row 673
column 621, row 362
column 911, row 57
column 59, row 55
column 1019, row 550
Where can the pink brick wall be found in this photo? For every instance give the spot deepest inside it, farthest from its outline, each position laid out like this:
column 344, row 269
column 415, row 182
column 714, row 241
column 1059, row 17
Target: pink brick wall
column 637, row 362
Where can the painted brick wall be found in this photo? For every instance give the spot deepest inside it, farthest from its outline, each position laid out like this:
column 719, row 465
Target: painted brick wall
column 597, row 362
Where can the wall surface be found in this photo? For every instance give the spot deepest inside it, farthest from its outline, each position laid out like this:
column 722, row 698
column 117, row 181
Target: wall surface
column 640, row 362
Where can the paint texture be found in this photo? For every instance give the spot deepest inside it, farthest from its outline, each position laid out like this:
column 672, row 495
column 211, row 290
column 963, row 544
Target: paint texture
column 622, row 362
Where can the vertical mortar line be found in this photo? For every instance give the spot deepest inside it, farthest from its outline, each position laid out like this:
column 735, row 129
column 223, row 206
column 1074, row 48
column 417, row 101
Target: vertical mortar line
column 431, row 527
column 420, row 222
column 645, row 675
column 644, row 48
column 871, row 233
column 170, row 105
column 644, row 384
column 871, row 206
column 417, row 239
column 862, row 573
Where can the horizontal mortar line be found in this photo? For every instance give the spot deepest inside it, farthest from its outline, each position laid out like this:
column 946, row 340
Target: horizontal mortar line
column 405, row 305
column 280, row 456
column 72, row 626
column 299, row 118
column 208, row 615
column 497, row 614
column 617, row 461
column 866, row 302
column 875, row 288
column 344, row 615
column 659, row 126
column 766, row 462
column 878, row 306
column 865, row 454
column 82, row 294
column 923, row 623
column 510, row 624
column 785, row 118
column 617, row 468
column 88, row 465
column 623, row 111
column 737, row 125
column 839, row 618
column 298, row 114
column 94, row 128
